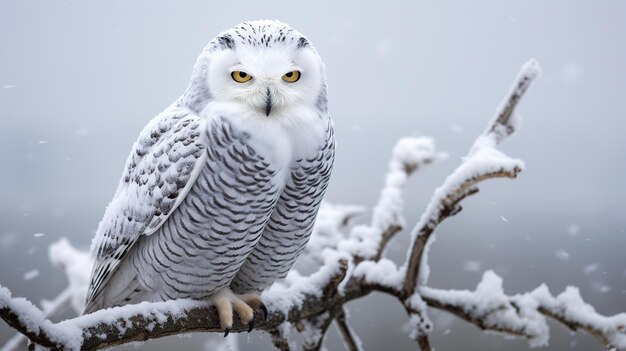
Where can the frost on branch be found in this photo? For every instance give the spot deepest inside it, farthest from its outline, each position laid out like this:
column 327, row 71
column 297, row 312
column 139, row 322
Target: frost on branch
column 350, row 263
column 484, row 161
column 409, row 154
column 383, row 272
column 525, row 314
column 491, row 309
column 77, row 267
column 330, row 228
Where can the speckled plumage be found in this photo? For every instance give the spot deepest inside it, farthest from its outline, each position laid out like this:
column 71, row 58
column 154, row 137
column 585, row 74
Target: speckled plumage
column 216, row 195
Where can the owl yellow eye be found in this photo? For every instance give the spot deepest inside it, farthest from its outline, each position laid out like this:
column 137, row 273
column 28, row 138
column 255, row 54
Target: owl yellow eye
column 292, row 76
column 240, row 76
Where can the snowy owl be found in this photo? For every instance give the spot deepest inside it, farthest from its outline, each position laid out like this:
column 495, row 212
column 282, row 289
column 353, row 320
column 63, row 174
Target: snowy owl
column 220, row 192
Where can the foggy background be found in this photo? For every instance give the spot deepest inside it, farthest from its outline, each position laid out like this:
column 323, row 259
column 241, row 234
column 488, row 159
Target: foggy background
column 79, row 79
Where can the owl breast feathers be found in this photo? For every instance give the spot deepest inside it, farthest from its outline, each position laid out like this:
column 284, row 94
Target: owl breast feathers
column 220, row 193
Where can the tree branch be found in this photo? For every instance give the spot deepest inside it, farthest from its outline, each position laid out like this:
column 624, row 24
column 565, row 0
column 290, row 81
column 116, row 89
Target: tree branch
column 34, row 332
column 54, row 307
column 368, row 242
column 314, row 329
column 350, row 339
column 489, row 308
column 424, row 343
column 483, row 162
column 279, row 341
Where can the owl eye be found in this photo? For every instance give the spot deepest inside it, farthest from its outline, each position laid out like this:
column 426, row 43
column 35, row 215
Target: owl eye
column 292, row 76
column 240, row 76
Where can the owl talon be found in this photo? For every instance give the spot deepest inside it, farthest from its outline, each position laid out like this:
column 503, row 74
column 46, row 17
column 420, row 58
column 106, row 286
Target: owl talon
column 250, row 326
column 264, row 309
column 255, row 302
column 227, row 304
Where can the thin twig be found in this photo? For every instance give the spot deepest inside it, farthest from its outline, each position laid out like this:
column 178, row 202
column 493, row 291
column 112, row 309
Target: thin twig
column 279, row 341
column 316, row 328
column 424, row 343
column 385, row 239
column 349, row 337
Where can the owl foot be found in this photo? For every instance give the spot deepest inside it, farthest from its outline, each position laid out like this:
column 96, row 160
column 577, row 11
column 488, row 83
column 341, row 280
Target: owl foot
column 255, row 302
column 226, row 302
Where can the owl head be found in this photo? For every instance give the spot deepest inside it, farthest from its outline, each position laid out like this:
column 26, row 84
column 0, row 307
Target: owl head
column 263, row 67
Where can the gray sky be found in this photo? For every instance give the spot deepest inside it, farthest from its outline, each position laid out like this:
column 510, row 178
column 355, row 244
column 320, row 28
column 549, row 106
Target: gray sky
column 79, row 79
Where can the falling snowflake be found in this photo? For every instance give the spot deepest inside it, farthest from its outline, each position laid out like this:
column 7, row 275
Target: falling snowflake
column 562, row 255
column 31, row 274
column 471, row 266
column 590, row 268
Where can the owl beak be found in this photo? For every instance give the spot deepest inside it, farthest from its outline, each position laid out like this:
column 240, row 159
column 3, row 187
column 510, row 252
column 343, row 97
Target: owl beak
column 268, row 102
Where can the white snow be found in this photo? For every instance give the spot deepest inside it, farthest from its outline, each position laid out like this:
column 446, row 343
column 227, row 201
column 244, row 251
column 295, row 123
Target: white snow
column 561, row 255
column 282, row 296
column 521, row 312
column 311, row 332
column 490, row 303
column 32, row 274
column 600, row 287
column 419, row 323
column 483, row 159
column 39, row 235
column 330, row 224
column 34, row 320
column 77, row 267
column 570, row 305
column 363, row 241
column 409, row 153
column 590, row 268
column 285, row 329
column 49, row 308
column 156, row 312
column 384, row 272
column 530, row 71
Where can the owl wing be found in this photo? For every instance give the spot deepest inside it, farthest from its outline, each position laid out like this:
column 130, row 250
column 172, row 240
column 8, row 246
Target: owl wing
column 163, row 165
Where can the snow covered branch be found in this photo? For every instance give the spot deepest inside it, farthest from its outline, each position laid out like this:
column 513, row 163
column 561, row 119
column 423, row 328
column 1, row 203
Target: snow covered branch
column 483, row 162
column 350, row 263
column 489, row 308
column 280, row 341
